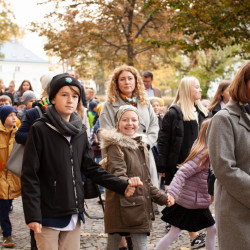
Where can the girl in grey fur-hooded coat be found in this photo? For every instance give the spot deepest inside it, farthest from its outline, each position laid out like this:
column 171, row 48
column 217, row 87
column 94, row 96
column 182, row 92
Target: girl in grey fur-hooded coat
column 134, row 214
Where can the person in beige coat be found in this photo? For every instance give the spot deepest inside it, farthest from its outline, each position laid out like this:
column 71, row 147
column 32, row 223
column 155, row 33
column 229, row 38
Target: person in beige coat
column 127, row 156
column 228, row 139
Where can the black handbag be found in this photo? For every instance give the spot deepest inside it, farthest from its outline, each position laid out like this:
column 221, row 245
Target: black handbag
column 210, row 181
column 91, row 189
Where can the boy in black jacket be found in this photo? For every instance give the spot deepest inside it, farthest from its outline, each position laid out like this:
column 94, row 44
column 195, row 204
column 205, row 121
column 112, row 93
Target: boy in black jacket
column 56, row 152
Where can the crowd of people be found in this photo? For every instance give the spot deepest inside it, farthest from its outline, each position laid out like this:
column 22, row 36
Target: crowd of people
column 149, row 154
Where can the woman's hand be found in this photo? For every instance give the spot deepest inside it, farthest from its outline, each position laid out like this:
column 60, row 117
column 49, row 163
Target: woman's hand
column 36, row 227
column 170, row 200
column 132, row 184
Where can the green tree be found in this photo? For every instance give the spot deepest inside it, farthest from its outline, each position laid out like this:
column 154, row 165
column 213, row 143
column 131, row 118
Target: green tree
column 201, row 25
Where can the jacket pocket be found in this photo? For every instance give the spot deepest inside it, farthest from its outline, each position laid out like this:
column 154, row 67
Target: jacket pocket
column 133, row 210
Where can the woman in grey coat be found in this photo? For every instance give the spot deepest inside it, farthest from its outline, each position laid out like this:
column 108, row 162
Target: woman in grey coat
column 228, row 138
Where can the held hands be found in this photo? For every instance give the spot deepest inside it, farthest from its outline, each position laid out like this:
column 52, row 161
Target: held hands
column 170, row 200
column 133, row 183
column 36, row 227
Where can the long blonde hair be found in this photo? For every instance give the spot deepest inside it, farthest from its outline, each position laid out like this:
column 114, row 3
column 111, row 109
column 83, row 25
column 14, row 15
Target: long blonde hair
column 199, row 145
column 113, row 91
column 184, row 98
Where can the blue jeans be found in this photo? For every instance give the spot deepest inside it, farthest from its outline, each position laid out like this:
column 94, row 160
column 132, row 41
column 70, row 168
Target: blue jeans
column 4, row 217
column 97, row 160
column 139, row 241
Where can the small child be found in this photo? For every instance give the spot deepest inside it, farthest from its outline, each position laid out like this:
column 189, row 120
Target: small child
column 5, row 100
column 56, row 152
column 10, row 186
column 28, row 98
column 188, row 198
column 128, row 156
column 92, row 113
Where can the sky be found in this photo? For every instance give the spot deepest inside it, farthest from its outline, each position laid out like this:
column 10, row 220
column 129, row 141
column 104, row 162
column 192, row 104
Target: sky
column 27, row 11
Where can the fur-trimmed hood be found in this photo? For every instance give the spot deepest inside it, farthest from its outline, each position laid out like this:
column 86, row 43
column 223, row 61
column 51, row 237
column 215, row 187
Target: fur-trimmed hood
column 113, row 137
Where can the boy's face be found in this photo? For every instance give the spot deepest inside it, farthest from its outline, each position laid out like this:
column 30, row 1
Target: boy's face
column 65, row 102
column 129, row 123
column 11, row 120
column 5, row 103
column 156, row 107
column 29, row 103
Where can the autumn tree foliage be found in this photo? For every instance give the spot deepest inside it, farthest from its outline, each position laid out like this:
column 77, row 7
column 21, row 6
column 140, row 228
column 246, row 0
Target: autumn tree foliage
column 206, row 24
column 109, row 32
column 8, row 28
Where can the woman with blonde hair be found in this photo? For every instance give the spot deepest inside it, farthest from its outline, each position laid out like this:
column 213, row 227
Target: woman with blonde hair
column 228, row 139
column 179, row 130
column 221, row 97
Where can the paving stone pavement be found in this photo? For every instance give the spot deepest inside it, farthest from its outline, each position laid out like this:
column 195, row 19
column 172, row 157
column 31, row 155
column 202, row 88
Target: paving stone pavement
column 92, row 232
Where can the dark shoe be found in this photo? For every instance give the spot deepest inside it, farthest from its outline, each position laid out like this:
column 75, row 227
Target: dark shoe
column 123, row 248
column 8, row 242
column 198, row 242
column 157, row 212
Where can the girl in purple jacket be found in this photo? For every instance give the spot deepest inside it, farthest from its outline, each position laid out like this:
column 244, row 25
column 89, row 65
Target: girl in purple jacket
column 188, row 198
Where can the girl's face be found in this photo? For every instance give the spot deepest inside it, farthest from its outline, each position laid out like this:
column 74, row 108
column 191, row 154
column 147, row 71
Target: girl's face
column 26, row 86
column 29, row 103
column 11, row 120
column 226, row 96
column 156, row 107
column 11, row 87
column 126, row 83
column 196, row 91
column 129, row 123
column 65, row 102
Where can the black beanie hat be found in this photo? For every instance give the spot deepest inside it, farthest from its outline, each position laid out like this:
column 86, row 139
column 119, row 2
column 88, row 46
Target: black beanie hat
column 5, row 110
column 60, row 81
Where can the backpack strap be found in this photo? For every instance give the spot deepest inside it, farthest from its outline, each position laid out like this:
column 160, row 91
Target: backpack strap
column 39, row 111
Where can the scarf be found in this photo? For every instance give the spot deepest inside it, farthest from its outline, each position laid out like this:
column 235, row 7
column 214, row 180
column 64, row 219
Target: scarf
column 131, row 101
column 73, row 127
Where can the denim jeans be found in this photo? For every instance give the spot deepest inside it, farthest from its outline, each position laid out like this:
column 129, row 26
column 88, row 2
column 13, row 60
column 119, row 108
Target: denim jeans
column 4, row 217
column 139, row 241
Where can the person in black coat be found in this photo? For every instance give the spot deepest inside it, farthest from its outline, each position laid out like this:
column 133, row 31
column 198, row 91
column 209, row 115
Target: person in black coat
column 56, row 152
column 179, row 130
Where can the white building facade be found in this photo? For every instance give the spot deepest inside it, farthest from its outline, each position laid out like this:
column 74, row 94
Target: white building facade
column 18, row 63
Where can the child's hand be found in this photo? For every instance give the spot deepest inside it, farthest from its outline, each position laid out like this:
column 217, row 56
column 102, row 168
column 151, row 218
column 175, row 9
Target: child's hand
column 129, row 191
column 135, row 181
column 95, row 138
column 35, row 226
column 170, row 200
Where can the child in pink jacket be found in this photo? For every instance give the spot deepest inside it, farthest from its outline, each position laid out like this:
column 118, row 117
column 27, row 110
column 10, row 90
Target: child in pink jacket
column 188, row 198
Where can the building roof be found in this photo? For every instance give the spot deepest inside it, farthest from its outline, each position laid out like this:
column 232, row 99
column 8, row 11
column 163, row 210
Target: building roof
column 15, row 52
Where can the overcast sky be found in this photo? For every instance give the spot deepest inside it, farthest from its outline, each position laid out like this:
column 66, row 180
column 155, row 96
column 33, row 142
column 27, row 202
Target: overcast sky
column 27, row 11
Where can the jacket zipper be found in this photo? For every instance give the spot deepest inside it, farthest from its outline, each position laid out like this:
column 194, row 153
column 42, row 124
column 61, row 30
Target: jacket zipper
column 73, row 176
